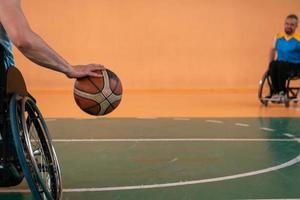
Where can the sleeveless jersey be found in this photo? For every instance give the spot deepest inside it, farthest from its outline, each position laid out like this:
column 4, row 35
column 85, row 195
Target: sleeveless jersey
column 288, row 47
column 7, row 57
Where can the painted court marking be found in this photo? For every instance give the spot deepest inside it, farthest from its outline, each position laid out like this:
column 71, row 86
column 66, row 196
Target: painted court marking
column 177, row 140
column 242, row 125
column 146, row 117
column 214, row 121
column 182, row 183
column 181, row 119
column 50, row 120
column 193, row 182
column 267, row 129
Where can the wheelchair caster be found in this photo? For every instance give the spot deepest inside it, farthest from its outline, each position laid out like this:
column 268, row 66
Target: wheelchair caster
column 287, row 103
column 264, row 102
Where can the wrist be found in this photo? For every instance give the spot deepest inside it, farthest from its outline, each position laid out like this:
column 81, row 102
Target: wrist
column 68, row 70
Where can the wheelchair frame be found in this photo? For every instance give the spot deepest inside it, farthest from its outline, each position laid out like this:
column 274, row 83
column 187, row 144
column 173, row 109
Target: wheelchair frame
column 27, row 149
column 265, row 90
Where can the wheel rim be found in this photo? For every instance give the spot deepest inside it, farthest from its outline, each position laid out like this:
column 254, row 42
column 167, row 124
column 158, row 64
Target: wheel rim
column 264, row 88
column 36, row 152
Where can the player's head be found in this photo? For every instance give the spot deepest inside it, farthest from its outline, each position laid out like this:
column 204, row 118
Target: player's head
column 290, row 24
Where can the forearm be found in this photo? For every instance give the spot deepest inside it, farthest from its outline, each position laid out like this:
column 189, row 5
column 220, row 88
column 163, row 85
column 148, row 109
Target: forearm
column 37, row 50
column 26, row 40
column 272, row 55
column 34, row 47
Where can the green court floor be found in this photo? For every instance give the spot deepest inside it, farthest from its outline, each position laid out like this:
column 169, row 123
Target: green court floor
column 175, row 158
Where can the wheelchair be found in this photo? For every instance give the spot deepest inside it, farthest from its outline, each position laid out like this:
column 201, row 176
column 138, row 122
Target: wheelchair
column 265, row 90
column 26, row 149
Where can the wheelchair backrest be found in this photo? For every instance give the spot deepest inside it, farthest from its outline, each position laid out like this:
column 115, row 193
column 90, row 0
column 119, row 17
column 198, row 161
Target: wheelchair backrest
column 11, row 79
column 15, row 82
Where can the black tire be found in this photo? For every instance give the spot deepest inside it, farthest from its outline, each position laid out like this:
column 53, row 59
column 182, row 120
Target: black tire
column 34, row 149
column 264, row 90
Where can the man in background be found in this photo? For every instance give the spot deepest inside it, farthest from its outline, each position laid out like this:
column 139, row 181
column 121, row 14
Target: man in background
column 284, row 58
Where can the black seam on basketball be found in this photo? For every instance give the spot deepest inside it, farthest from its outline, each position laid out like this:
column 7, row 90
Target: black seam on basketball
column 114, row 107
column 107, row 109
column 94, row 85
column 100, row 102
column 89, row 100
column 85, row 98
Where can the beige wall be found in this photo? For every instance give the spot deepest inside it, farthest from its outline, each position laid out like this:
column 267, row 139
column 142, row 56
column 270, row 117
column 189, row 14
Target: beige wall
column 159, row 43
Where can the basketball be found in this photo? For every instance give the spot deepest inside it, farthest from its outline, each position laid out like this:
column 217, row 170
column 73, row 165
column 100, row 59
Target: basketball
column 98, row 95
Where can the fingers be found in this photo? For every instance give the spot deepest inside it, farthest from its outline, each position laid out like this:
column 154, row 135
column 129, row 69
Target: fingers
column 94, row 70
column 95, row 74
column 80, row 71
column 96, row 67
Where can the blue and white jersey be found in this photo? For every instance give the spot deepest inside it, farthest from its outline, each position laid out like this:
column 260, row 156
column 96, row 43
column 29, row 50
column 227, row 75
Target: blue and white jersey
column 8, row 58
column 288, row 47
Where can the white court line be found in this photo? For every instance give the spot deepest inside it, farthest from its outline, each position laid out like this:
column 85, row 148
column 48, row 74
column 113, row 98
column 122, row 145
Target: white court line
column 181, row 183
column 289, row 135
column 50, row 120
column 177, row 140
column 292, row 136
column 214, row 121
column 146, row 117
column 243, row 125
column 181, row 119
column 267, row 129
column 173, row 160
column 272, row 199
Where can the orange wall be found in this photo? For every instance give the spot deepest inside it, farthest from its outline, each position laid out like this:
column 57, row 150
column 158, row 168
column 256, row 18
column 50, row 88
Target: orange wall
column 159, row 43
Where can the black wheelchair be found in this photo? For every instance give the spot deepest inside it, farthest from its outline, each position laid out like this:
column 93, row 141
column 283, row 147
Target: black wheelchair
column 26, row 149
column 265, row 90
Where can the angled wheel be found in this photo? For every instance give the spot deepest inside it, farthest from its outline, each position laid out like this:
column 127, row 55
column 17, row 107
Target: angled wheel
column 264, row 90
column 34, row 148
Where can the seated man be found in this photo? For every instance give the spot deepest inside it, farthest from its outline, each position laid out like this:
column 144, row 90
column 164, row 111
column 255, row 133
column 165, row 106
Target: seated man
column 284, row 58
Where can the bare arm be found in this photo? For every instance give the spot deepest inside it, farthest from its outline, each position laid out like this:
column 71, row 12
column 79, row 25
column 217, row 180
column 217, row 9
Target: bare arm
column 273, row 52
column 33, row 46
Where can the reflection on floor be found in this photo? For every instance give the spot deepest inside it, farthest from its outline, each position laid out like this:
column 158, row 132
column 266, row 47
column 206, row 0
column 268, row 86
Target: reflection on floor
column 170, row 103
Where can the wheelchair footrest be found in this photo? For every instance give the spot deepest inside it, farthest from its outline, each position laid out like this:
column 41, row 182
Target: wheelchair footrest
column 276, row 100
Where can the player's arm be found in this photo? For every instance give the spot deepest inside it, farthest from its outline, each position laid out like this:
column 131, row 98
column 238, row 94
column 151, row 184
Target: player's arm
column 33, row 46
column 273, row 52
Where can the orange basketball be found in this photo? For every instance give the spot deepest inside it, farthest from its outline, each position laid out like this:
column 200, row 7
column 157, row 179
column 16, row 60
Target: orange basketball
column 98, row 96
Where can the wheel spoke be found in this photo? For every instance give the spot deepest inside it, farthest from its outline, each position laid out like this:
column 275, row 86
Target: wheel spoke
column 38, row 158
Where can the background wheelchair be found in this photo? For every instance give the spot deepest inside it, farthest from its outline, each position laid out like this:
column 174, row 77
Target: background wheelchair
column 25, row 145
column 265, row 90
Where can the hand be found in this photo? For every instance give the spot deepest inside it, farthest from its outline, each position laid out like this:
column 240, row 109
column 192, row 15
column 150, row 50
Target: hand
column 79, row 71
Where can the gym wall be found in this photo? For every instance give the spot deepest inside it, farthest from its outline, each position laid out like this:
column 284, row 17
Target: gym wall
column 159, row 44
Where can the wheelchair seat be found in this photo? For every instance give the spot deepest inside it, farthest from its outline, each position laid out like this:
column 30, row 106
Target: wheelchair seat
column 265, row 90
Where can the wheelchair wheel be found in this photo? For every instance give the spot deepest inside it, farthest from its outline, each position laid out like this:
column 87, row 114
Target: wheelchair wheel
column 264, row 91
column 34, row 149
